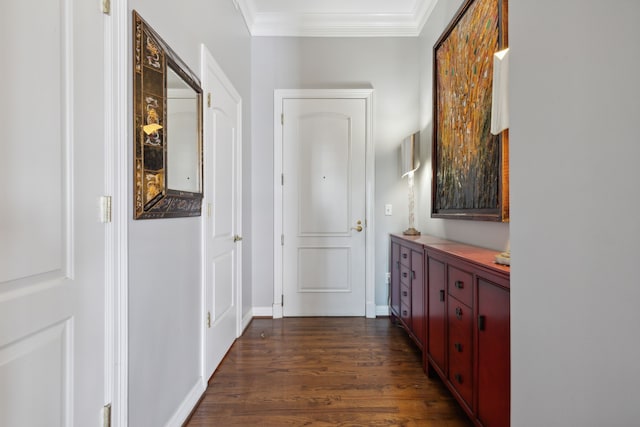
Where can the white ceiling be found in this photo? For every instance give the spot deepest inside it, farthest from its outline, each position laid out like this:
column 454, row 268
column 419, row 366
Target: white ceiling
column 335, row 18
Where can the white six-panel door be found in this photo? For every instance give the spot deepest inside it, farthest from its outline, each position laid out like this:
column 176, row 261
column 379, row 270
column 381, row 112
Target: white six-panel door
column 52, row 243
column 222, row 221
column 324, row 211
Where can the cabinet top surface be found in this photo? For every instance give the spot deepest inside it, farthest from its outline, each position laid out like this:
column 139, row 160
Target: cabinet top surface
column 482, row 256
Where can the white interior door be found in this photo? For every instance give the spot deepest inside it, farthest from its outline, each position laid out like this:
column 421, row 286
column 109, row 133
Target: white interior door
column 324, row 224
column 222, row 221
column 52, row 243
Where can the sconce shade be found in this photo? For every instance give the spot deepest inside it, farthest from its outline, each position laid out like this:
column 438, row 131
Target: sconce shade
column 500, row 92
column 409, row 156
column 151, row 128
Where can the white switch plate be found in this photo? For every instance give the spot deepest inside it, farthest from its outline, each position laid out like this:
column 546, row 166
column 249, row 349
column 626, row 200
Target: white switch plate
column 388, row 210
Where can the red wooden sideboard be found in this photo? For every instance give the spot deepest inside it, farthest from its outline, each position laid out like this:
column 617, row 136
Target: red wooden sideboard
column 453, row 301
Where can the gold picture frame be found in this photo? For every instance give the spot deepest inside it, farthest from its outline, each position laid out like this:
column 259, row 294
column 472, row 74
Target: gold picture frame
column 470, row 165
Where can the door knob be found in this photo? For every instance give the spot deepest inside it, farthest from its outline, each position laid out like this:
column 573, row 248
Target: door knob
column 358, row 227
column 237, row 238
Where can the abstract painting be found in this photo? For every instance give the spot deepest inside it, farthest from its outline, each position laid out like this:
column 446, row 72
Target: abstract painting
column 470, row 165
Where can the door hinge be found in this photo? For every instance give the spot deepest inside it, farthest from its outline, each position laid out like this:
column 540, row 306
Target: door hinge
column 105, row 209
column 209, row 99
column 282, row 119
column 106, row 415
column 208, row 209
column 282, row 300
column 208, row 319
column 281, row 179
column 282, row 240
column 106, row 7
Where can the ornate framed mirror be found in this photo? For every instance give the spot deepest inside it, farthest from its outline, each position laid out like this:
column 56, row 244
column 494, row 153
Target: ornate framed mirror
column 167, row 108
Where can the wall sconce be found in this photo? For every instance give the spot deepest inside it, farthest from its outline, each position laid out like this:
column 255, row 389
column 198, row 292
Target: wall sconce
column 500, row 92
column 410, row 161
column 151, row 128
column 500, row 113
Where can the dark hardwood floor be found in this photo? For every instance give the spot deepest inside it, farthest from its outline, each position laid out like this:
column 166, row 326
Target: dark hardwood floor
column 325, row 372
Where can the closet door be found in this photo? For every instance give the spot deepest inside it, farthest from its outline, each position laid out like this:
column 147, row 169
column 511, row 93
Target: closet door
column 52, row 241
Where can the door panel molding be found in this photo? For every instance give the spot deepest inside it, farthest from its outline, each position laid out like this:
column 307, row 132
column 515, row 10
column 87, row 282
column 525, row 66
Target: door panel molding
column 279, row 96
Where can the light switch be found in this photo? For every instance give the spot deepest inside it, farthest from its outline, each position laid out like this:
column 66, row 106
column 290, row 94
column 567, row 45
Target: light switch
column 388, row 210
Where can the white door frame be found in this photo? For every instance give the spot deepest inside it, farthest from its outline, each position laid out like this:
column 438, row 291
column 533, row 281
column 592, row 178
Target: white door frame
column 117, row 185
column 278, row 98
column 207, row 60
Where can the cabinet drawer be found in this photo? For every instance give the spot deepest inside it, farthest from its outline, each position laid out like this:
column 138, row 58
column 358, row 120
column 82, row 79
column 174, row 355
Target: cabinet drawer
column 405, row 275
column 460, row 349
column 405, row 314
column 405, row 256
column 460, row 285
column 405, row 295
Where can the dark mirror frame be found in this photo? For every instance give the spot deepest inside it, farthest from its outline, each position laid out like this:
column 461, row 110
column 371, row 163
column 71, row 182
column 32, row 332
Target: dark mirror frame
column 151, row 57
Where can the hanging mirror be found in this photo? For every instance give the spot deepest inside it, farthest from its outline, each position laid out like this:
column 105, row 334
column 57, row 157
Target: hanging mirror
column 167, row 107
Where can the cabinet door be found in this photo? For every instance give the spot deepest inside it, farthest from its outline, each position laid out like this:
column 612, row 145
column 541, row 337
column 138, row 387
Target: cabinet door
column 417, row 297
column 494, row 362
column 460, row 350
column 436, row 309
column 394, row 268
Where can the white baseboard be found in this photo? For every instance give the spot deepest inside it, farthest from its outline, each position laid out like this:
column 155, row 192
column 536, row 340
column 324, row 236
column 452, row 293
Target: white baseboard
column 187, row 405
column 246, row 319
column 382, row 310
column 262, row 311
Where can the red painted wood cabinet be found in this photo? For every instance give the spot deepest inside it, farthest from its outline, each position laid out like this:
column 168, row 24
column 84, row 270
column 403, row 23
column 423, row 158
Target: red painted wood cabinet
column 407, row 288
column 464, row 321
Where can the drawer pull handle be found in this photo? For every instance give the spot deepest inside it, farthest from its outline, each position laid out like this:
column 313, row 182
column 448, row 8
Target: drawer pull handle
column 442, row 295
column 405, row 293
column 404, row 313
column 458, row 313
column 404, row 256
column 404, row 274
column 458, row 378
column 481, row 322
column 458, row 347
column 459, row 284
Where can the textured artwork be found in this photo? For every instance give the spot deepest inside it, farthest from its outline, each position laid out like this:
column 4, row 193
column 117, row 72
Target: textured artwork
column 470, row 165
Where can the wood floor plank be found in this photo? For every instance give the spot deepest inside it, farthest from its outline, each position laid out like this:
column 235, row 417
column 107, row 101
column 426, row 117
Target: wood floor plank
column 325, row 372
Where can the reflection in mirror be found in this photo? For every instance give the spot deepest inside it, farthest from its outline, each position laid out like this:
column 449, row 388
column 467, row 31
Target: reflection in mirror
column 183, row 163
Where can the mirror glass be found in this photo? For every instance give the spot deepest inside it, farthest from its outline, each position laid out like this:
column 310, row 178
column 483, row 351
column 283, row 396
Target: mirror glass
column 183, row 148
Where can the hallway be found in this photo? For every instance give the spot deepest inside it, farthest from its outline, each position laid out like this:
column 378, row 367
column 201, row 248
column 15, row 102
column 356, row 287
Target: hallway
column 325, row 372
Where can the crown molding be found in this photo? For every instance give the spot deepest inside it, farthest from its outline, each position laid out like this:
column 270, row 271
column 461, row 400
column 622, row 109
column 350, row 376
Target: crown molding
column 288, row 24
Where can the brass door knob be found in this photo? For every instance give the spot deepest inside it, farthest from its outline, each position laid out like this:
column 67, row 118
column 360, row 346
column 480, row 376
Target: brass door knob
column 237, row 238
column 358, row 227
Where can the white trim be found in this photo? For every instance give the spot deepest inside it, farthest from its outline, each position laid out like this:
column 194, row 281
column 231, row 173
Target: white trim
column 117, row 171
column 296, row 24
column 278, row 98
column 382, row 311
column 262, row 312
column 187, row 405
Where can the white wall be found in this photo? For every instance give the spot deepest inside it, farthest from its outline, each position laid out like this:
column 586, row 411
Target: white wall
column 164, row 278
column 575, row 231
column 486, row 234
column 390, row 66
